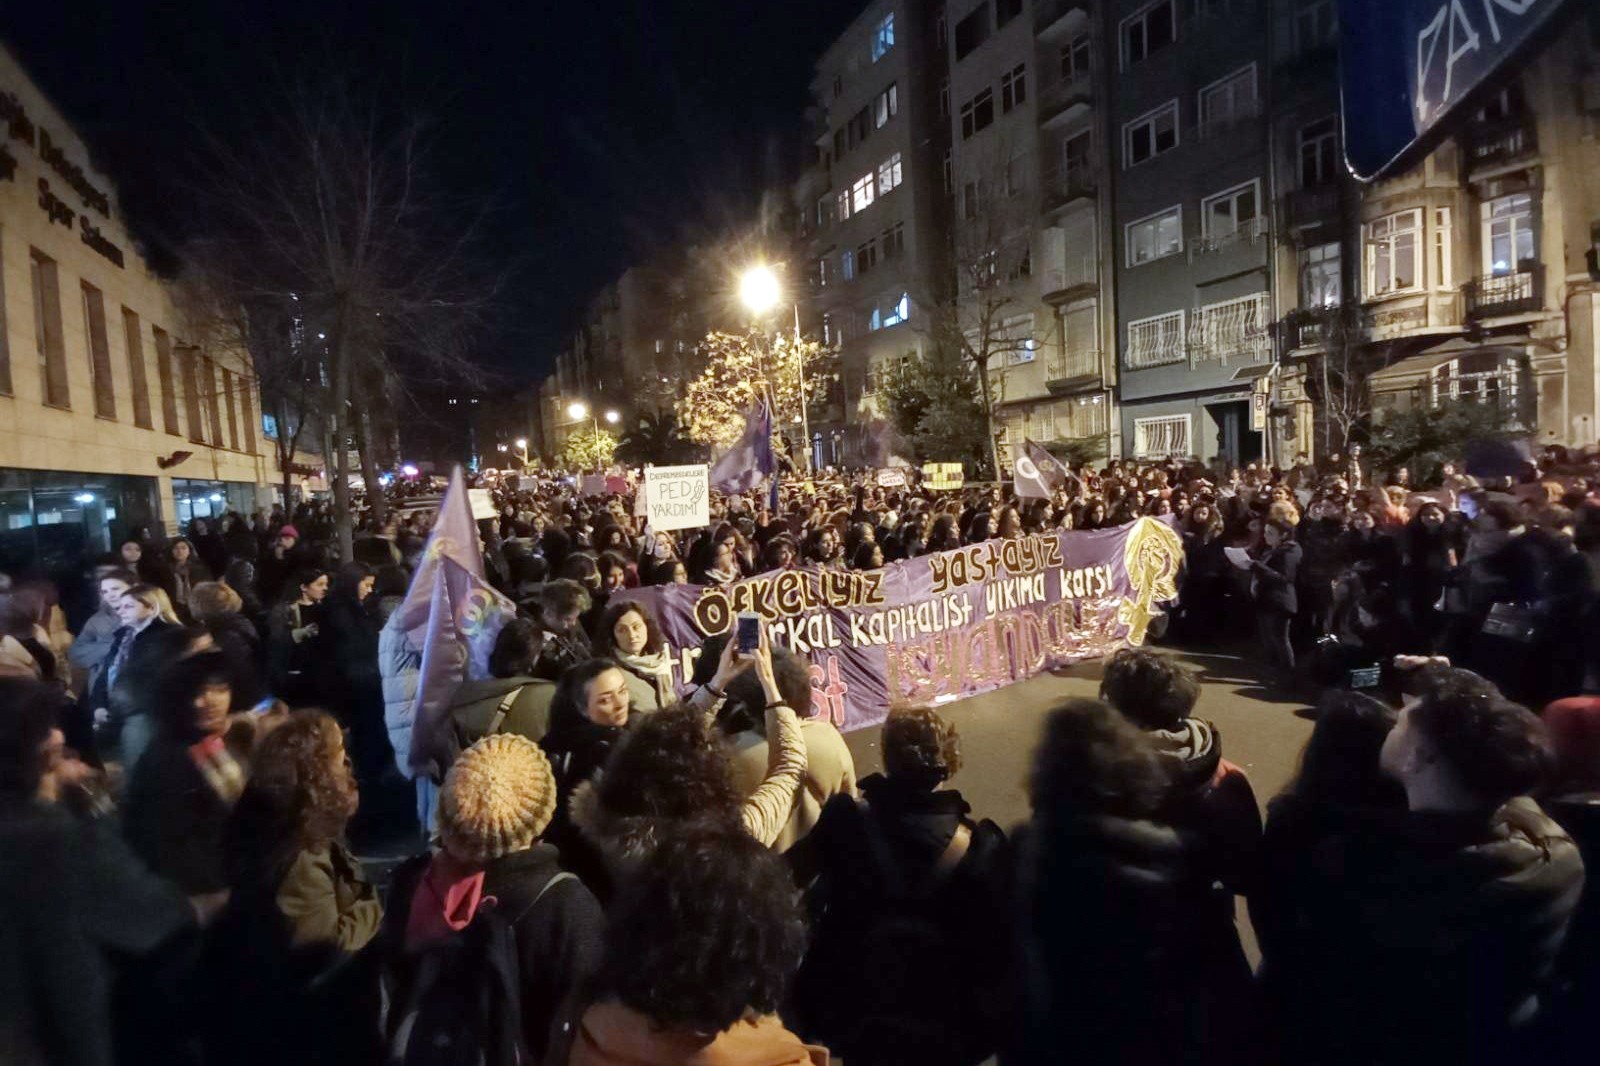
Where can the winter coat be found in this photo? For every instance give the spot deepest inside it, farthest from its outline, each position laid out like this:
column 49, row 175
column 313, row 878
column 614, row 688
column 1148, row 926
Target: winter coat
column 238, row 640
column 17, row 661
column 89, row 652
column 350, row 641
column 1447, row 931
column 399, row 665
column 612, row 1034
column 129, row 695
column 907, row 947
column 476, row 703
column 558, row 940
column 1274, row 579
column 297, row 666
column 174, row 820
column 76, row 907
column 830, row 771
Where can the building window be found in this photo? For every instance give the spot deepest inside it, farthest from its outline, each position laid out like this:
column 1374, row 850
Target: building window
column 893, row 240
column 1150, row 135
column 860, row 126
column 842, row 204
column 189, row 358
column 1151, row 238
column 1161, row 437
column 5, row 342
column 824, row 213
column 822, row 272
column 889, row 174
column 971, row 201
column 233, row 411
column 1509, row 241
column 886, row 107
column 972, row 30
column 1320, row 282
column 883, row 37
column 875, row 320
column 1006, row 10
column 1316, row 25
column 847, row 265
column 1319, row 152
column 1227, row 213
column 1442, row 274
column 208, row 368
column 1156, row 340
column 47, row 330
column 1014, row 87
column 944, row 97
column 1077, row 154
column 1148, row 32
column 867, row 256
column 1394, row 253
column 827, row 328
column 1016, row 170
column 977, row 113
column 838, row 86
column 841, row 143
column 247, row 412
column 861, row 194
column 1227, row 101
column 94, row 332
column 169, row 394
column 900, row 312
column 949, row 175
column 1075, row 59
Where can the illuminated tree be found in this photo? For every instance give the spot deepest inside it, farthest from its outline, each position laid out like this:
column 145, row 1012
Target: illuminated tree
column 740, row 369
column 589, row 449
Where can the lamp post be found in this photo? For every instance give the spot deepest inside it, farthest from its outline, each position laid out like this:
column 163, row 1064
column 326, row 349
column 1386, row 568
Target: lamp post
column 760, row 292
column 522, row 452
column 579, row 410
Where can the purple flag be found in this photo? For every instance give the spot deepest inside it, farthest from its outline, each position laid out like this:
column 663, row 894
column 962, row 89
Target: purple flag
column 750, row 461
column 453, row 615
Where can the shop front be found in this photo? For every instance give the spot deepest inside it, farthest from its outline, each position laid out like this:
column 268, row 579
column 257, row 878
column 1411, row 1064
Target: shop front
column 192, row 498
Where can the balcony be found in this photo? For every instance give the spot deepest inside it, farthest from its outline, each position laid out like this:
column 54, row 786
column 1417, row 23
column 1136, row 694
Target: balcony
column 1249, row 231
column 1079, row 276
column 1066, row 186
column 1517, row 293
column 1237, row 117
column 1501, row 143
column 1055, row 19
column 1230, row 330
column 1066, row 100
column 1308, row 208
column 1072, row 370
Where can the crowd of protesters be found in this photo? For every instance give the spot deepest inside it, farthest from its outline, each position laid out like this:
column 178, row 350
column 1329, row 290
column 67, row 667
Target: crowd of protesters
column 619, row 868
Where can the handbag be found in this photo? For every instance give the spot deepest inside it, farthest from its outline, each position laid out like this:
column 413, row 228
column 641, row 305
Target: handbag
column 1511, row 622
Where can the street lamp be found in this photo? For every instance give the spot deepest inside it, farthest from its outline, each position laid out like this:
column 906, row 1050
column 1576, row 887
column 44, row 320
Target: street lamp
column 760, row 292
column 579, row 410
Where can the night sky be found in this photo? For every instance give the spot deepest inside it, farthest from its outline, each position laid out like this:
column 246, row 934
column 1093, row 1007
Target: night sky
column 594, row 130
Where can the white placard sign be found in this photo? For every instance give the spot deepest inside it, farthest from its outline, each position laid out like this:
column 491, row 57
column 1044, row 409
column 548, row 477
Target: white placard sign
column 482, row 504
column 678, row 497
column 891, row 479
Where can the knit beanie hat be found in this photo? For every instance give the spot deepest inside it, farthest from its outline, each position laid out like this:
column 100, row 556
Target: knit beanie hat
column 497, row 798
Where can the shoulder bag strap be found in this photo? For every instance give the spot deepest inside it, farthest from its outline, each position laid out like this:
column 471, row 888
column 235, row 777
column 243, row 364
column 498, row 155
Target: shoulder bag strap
column 563, row 875
column 501, row 711
column 954, row 852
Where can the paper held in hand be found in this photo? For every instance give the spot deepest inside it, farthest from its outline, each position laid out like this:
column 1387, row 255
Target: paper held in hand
column 1238, row 557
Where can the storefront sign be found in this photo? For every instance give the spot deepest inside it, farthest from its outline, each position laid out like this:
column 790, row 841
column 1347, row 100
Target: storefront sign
column 942, row 626
column 678, row 497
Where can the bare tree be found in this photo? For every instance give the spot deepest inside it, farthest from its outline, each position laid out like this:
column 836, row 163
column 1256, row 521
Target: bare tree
column 325, row 205
column 1339, row 372
column 988, row 263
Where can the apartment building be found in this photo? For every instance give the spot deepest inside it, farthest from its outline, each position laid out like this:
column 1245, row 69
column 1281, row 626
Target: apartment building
column 1470, row 277
column 1191, row 248
column 1025, row 98
column 874, row 207
column 116, row 412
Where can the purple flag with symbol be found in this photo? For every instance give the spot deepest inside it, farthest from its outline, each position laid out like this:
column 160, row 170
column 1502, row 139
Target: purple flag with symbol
column 453, row 615
column 750, row 461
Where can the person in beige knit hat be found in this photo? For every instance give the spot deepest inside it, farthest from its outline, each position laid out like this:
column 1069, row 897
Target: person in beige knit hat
column 495, row 805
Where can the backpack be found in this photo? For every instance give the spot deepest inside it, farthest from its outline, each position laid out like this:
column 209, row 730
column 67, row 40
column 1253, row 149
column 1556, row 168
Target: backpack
column 458, row 1001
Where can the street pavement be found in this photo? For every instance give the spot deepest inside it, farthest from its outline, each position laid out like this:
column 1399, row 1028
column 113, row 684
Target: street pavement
column 1262, row 732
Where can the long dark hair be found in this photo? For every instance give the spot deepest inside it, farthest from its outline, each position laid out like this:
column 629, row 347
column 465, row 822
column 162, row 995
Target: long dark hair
column 347, row 584
column 1339, row 765
column 569, row 720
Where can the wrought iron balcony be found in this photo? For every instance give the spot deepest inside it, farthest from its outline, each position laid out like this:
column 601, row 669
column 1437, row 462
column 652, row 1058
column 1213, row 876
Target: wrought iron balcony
column 1074, row 364
column 1304, row 208
column 1516, row 293
column 1490, row 144
column 1076, row 276
column 1061, row 187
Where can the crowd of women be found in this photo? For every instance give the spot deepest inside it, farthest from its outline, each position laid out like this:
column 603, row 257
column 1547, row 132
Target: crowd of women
column 620, row 869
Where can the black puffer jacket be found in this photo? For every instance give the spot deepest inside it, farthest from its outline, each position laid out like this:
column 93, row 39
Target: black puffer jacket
column 1447, row 934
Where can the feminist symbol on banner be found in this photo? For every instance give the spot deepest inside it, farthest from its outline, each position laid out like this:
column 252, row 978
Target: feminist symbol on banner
column 1152, row 556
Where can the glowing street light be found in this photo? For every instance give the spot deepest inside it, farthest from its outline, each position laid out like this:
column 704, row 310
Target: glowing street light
column 612, row 418
column 759, row 290
column 522, row 444
column 577, row 410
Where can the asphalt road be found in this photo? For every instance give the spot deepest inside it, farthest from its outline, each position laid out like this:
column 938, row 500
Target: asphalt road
column 1262, row 731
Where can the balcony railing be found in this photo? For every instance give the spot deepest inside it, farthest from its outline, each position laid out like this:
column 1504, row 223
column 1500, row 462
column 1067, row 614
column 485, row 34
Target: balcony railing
column 1060, row 96
column 1072, row 363
column 1076, row 273
column 1217, row 125
column 1233, row 329
column 1069, row 183
column 1051, row 16
column 1248, row 231
column 1303, row 208
column 1516, row 293
column 1491, row 144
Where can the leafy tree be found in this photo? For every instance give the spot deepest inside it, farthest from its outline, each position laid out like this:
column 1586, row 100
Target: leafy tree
column 589, row 449
column 657, row 439
column 1081, row 451
column 741, row 368
column 934, row 404
column 1424, row 438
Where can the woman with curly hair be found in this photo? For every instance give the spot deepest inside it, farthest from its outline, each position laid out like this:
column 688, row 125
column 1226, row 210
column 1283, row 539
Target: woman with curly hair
column 907, row 853
column 300, row 907
column 699, row 951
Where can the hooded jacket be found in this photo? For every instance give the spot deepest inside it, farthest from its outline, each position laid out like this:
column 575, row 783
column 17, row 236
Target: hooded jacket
column 612, row 1034
column 400, row 666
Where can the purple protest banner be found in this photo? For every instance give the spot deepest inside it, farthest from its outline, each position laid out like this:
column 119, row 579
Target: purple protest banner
column 942, row 626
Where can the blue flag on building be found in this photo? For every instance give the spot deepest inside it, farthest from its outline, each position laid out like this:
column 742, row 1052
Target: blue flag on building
column 452, row 615
column 750, row 461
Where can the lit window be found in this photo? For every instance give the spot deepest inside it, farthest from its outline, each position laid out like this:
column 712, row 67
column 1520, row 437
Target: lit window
column 861, row 194
column 1394, row 253
column 887, row 106
column 875, row 320
column 1148, row 32
column 1441, row 247
column 889, row 174
column 847, row 264
column 1320, row 282
column 1508, row 235
column 883, row 38
column 1150, row 135
column 1151, row 238
column 842, row 203
column 822, row 272
column 899, row 312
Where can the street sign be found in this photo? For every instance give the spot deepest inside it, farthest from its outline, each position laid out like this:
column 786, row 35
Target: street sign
column 678, row 497
column 1405, row 66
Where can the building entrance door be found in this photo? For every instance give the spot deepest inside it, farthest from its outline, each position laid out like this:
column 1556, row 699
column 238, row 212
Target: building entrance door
column 1237, row 443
